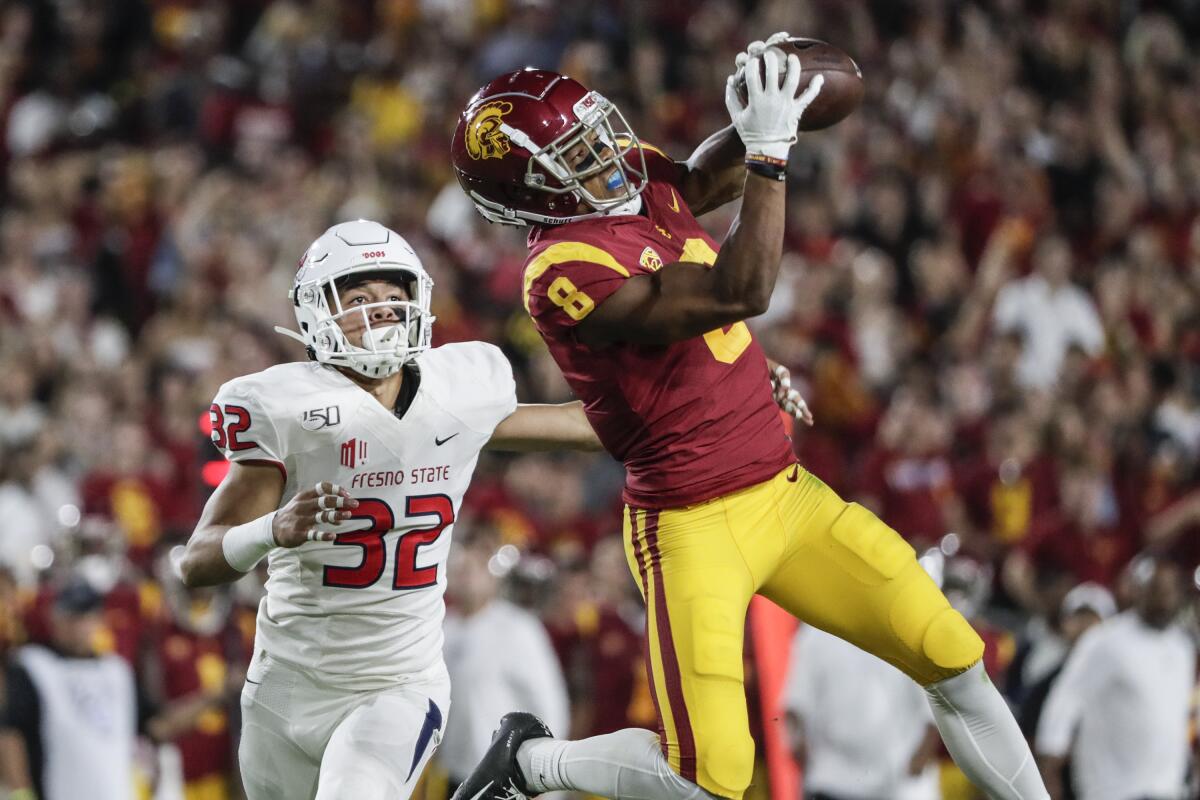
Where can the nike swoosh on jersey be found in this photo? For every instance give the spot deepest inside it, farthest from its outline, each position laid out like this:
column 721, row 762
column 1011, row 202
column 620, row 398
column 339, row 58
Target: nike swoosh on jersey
column 674, row 201
column 440, row 442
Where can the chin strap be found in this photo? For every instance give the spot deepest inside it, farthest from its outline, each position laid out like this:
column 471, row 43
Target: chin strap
column 291, row 334
column 633, row 206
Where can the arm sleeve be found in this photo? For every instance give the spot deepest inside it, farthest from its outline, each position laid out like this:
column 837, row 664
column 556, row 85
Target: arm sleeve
column 242, row 428
column 565, row 282
column 1077, row 685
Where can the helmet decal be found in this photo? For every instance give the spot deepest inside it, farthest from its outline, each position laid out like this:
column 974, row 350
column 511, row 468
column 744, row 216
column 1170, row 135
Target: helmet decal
column 484, row 136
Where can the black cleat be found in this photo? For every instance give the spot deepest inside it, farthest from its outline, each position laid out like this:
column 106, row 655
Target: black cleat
column 497, row 775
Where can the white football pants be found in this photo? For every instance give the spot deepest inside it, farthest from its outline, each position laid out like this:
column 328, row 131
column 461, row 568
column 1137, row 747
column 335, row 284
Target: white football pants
column 303, row 738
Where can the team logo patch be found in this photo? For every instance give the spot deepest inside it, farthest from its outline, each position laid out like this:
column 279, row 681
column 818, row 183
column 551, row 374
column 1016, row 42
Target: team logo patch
column 316, row 418
column 484, row 138
column 651, row 260
column 354, row 453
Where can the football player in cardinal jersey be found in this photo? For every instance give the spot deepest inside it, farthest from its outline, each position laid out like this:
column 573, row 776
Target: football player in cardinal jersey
column 347, row 473
column 644, row 314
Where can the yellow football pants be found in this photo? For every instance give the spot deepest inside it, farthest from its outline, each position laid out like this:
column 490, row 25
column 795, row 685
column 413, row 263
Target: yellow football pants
column 832, row 564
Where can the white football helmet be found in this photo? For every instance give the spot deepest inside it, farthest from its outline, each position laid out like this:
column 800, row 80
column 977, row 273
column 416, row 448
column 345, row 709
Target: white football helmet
column 349, row 248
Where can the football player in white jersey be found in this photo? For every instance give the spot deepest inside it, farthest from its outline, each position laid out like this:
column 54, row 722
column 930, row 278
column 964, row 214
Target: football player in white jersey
column 348, row 473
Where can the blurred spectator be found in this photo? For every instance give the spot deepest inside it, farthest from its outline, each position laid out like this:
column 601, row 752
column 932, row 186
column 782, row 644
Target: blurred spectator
column 872, row 736
column 1049, row 312
column 500, row 660
column 596, row 623
column 201, row 659
column 70, row 717
column 37, row 501
column 1120, row 706
column 1007, row 486
column 906, row 479
column 130, row 489
column 1084, row 607
column 1084, row 541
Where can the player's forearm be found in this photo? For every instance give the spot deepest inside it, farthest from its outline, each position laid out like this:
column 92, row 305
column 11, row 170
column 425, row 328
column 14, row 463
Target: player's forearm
column 204, row 562
column 715, row 173
column 545, row 427
column 748, row 265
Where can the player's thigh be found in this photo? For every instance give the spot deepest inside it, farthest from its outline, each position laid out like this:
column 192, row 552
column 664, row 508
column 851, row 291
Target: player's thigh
column 850, row 574
column 380, row 748
column 697, row 589
column 272, row 764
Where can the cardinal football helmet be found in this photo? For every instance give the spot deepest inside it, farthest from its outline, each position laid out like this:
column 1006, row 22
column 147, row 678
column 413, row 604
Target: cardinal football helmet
column 509, row 150
column 361, row 247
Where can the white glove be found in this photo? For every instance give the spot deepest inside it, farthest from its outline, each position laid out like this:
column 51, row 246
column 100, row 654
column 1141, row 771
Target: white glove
column 767, row 122
column 788, row 398
column 756, row 48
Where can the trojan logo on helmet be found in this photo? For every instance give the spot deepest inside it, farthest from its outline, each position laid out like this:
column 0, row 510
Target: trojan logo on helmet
column 485, row 137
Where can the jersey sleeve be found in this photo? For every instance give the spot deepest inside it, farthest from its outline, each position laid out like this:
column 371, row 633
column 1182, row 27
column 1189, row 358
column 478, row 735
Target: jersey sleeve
column 565, row 282
column 480, row 379
column 242, row 427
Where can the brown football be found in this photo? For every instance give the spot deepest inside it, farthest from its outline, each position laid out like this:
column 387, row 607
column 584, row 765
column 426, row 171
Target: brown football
column 843, row 89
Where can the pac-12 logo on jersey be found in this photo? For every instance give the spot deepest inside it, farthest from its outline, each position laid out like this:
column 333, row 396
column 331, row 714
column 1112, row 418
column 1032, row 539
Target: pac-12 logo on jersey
column 651, row 260
column 316, row 418
column 354, row 453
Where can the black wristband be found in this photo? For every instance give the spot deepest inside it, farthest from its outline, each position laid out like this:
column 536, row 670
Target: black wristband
column 766, row 169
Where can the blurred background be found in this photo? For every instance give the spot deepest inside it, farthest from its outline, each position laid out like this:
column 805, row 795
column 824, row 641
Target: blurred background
column 990, row 297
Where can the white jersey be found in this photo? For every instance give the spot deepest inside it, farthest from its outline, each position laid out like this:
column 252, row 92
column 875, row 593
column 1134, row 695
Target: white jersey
column 368, row 607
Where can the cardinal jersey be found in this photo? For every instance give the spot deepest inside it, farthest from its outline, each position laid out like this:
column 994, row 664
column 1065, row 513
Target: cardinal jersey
column 692, row 420
column 366, row 608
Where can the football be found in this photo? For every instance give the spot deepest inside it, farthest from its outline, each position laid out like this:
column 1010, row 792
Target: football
column 843, row 89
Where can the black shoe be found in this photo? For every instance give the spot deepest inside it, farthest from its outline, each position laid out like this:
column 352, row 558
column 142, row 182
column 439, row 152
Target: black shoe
column 497, row 775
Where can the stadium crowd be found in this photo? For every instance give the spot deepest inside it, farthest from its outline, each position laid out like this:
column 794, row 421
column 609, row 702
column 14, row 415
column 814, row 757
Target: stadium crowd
column 990, row 298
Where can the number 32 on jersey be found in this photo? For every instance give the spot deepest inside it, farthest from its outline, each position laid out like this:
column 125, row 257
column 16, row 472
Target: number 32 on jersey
column 374, row 547
column 725, row 344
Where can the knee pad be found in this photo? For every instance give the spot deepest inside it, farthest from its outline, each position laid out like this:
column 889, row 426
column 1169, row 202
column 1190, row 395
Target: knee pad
column 939, row 640
column 872, row 552
column 951, row 644
column 725, row 763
